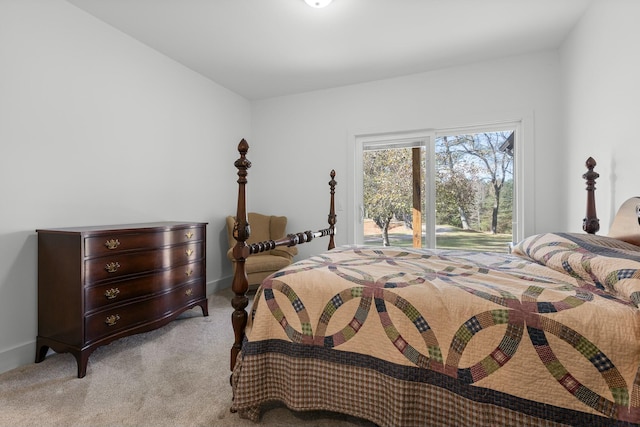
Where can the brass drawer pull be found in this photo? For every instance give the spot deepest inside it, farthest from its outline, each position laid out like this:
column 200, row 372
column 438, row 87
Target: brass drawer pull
column 189, row 252
column 112, row 244
column 112, row 320
column 188, row 273
column 111, row 293
column 112, row 267
column 188, row 292
column 189, row 234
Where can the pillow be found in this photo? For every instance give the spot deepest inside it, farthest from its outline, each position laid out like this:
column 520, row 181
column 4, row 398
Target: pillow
column 626, row 224
column 609, row 264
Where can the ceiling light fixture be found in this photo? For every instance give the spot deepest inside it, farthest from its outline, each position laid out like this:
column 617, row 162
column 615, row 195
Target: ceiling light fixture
column 318, row 3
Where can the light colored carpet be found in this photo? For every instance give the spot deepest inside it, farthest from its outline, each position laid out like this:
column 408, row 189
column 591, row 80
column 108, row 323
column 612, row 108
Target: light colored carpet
column 177, row 375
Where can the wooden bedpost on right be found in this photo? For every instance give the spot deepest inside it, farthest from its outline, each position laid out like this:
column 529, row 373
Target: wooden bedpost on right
column 332, row 210
column 591, row 223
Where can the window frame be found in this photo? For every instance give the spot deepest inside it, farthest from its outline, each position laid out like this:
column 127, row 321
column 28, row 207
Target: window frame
column 523, row 197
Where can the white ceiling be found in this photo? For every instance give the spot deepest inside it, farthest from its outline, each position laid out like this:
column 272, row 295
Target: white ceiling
column 265, row 48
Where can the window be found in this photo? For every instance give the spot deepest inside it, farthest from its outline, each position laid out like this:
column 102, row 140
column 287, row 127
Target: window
column 451, row 188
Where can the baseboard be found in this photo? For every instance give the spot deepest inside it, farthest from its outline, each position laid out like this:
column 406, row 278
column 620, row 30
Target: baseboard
column 218, row 285
column 17, row 356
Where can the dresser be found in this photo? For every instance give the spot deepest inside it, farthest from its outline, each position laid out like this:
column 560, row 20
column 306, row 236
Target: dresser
column 98, row 284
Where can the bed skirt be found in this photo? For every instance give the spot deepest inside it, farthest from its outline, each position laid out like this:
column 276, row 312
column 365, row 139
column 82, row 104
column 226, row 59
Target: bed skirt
column 383, row 393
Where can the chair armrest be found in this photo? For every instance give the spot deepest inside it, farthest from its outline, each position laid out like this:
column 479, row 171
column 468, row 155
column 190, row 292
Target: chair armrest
column 283, row 251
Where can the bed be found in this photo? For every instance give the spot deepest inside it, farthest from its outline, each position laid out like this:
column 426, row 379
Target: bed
column 548, row 335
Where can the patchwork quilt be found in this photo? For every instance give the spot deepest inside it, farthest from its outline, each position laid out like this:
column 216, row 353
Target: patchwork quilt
column 548, row 335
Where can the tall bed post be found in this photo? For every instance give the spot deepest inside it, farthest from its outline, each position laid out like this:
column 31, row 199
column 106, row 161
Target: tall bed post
column 591, row 223
column 242, row 250
column 241, row 232
column 332, row 209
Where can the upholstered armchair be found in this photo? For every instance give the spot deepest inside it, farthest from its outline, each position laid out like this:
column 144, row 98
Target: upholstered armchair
column 263, row 227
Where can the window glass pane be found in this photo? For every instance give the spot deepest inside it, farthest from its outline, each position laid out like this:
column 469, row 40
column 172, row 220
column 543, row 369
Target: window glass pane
column 390, row 210
column 474, row 191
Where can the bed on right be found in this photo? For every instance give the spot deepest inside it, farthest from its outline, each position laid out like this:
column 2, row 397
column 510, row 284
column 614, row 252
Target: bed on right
column 546, row 336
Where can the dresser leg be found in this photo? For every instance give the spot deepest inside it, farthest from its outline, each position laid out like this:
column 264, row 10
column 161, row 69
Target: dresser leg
column 205, row 307
column 82, row 358
column 41, row 351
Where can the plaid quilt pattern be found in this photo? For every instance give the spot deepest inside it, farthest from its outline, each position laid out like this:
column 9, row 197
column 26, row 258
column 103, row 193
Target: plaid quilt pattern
column 488, row 331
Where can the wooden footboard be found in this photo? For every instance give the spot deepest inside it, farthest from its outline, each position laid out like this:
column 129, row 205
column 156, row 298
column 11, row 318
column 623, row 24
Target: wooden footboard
column 241, row 251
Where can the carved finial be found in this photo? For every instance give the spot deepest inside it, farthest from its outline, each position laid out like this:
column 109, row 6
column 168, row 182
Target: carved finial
column 243, row 146
column 590, row 163
column 242, row 163
column 333, row 182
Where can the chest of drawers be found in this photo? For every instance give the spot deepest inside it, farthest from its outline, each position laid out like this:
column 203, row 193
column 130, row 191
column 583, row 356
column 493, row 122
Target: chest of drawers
column 98, row 284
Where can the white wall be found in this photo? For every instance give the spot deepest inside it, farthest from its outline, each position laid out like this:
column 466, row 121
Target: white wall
column 96, row 128
column 298, row 139
column 601, row 84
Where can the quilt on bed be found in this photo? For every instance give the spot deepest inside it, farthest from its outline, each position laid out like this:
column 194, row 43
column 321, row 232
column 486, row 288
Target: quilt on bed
column 549, row 335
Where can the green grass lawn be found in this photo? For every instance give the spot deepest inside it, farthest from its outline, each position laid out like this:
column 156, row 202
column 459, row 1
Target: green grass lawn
column 473, row 240
column 454, row 238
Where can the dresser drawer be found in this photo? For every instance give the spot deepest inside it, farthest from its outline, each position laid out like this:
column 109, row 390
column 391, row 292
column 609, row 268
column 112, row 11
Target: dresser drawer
column 119, row 265
column 116, row 292
column 121, row 242
column 119, row 318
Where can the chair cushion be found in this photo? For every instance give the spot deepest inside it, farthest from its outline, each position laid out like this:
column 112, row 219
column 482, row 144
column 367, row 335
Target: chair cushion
column 265, row 262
